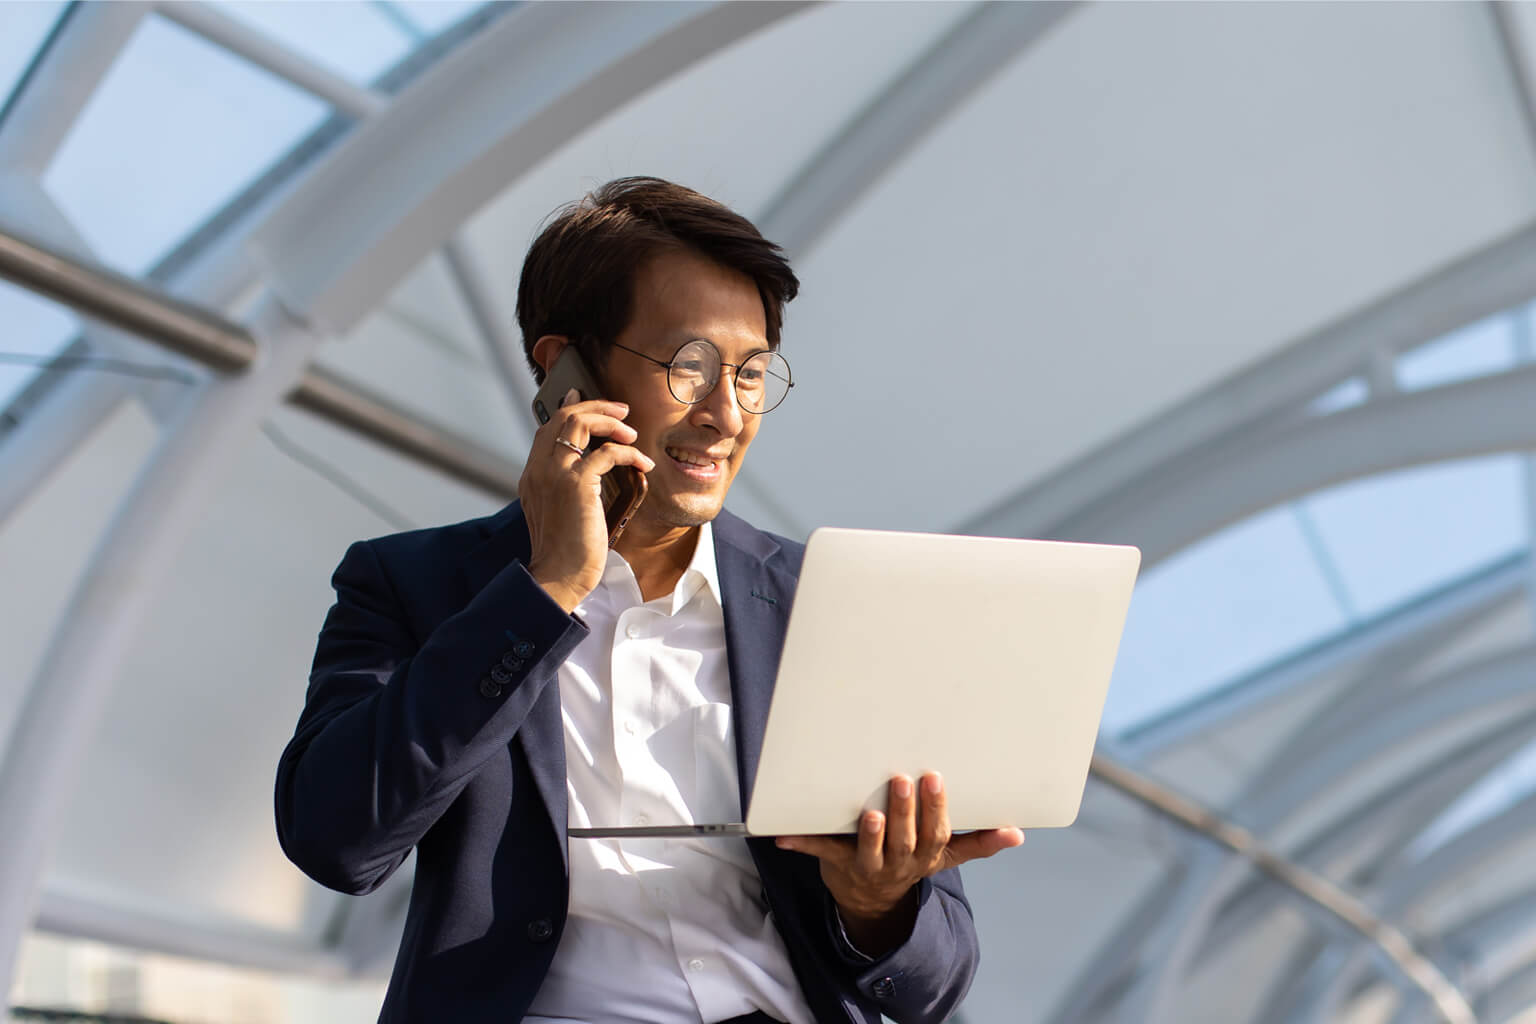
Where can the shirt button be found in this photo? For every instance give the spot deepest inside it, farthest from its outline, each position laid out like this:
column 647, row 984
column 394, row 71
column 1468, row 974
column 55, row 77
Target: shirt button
column 642, row 819
column 695, row 964
column 630, row 727
column 884, row 988
column 540, row 930
column 633, row 631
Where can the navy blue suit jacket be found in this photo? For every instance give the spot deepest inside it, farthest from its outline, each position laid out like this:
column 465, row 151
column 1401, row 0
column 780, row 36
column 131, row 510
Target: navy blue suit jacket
column 432, row 722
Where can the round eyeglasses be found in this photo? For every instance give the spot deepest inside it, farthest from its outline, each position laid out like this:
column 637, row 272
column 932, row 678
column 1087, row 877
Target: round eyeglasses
column 762, row 379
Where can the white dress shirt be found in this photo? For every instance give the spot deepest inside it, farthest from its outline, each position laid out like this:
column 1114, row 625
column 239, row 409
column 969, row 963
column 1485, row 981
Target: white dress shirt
column 659, row 930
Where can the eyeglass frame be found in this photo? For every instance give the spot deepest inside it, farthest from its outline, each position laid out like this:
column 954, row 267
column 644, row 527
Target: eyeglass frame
column 666, row 364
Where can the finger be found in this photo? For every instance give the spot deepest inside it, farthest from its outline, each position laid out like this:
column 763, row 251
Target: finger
column 581, row 425
column 870, row 858
column 901, row 820
column 572, row 400
column 976, row 845
column 838, row 850
column 602, row 460
column 933, row 832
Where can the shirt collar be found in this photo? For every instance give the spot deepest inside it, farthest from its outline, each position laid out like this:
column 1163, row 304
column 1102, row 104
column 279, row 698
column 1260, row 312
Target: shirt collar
column 701, row 571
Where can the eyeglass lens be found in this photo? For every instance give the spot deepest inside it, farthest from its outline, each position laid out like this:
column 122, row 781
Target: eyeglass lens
column 761, row 382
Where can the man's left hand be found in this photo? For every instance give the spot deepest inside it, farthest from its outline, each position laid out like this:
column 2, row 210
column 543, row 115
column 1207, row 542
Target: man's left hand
column 873, row 877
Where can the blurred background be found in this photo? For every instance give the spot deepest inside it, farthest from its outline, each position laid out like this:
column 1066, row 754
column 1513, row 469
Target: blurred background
column 1247, row 285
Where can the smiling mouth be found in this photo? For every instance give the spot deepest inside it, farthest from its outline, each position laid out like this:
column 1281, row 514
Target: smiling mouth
column 700, row 467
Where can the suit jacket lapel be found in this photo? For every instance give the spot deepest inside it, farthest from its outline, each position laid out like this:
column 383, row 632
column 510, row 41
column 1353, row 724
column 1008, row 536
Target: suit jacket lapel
column 756, row 605
column 543, row 733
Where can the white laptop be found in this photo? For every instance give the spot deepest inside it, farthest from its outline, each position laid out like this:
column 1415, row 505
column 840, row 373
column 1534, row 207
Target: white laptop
column 985, row 659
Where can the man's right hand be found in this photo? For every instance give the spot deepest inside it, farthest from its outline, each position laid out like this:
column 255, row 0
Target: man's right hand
column 561, row 492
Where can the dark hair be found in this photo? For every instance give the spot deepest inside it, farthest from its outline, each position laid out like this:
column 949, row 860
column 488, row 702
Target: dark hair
column 579, row 277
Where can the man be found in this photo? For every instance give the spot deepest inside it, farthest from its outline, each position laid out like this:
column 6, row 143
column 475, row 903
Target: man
column 479, row 688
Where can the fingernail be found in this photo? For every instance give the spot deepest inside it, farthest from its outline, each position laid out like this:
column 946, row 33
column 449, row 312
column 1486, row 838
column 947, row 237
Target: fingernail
column 783, row 844
column 902, row 787
column 570, row 396
column 872, row 823
column 933, row 783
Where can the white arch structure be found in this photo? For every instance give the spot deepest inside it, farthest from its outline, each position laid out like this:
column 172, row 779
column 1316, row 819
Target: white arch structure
column 315, row 258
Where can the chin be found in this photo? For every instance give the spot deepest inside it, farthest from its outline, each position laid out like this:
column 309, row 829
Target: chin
column 693, row 510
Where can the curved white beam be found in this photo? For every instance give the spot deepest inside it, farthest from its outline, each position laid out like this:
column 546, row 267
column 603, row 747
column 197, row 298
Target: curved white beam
column 880, row 134
column 1457, row 421
column 1382, row 656
column 265, row 52
column 133, row 560
column 1497, row 943
column 1411, row 632
column 61, row 912
column 1269, row 805
column 41, row 114
column 1383, row 824
column 1403, row 892
column 403, row 182
column 1227, row 417
column 54, row 427
column 1379, row 934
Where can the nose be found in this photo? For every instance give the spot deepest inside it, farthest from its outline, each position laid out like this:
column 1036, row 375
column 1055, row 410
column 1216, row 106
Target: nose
column 720, row 408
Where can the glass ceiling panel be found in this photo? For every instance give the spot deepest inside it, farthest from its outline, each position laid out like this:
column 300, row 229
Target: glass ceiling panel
column 23, row 27
column 1347, row 393
column 1473, row 351
column 1396, row 535
column 1219, row 609
column 355, row 40
column 34, row 330
column 177, row 127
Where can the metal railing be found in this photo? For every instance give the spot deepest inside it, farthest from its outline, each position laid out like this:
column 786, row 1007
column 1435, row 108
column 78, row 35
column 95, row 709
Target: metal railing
column 226, row 347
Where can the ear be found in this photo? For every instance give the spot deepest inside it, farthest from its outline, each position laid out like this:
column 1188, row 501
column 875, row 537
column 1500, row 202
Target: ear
column 548, row 348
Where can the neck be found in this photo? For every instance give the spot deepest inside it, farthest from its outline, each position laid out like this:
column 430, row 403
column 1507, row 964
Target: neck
column 658, row 556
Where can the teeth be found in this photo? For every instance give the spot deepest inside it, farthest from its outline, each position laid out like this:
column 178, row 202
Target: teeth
column 690, row 458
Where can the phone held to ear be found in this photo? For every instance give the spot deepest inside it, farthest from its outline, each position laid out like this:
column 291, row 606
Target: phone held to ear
column 623, row 486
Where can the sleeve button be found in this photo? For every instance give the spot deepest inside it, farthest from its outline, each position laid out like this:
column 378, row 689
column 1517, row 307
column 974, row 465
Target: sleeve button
column 540, row 930
column 501, row 675
column 522, row 648
column 488, row 688
column 511, row 662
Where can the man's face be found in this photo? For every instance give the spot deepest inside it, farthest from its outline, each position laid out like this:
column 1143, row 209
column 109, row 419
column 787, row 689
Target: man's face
column 698, row 449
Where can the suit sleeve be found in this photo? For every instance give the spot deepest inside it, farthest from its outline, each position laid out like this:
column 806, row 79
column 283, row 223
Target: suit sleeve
column 393, row 730
column 925, row 978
